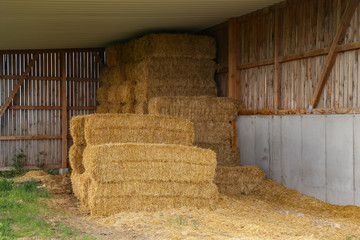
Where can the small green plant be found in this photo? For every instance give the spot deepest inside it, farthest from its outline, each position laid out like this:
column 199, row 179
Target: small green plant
column 6, row 185
column 18, row 161
column 181, row 221
column 40, row 162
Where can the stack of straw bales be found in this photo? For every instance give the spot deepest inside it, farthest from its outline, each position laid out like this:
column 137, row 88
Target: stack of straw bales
column 156, row 65
column 141, row 162
column 212, row 117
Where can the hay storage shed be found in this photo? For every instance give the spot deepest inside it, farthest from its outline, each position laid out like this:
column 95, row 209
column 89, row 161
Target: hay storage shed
column 293, row 64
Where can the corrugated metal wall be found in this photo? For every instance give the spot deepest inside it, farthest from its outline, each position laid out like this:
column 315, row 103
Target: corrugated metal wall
column 318, row 155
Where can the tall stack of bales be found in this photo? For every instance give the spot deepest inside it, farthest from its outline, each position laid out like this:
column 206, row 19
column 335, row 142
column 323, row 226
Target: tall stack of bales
column 170, row 65
column 212, row 118
column 142, row 162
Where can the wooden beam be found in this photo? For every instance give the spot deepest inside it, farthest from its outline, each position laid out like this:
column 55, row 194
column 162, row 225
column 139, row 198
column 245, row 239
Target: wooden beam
column 50, row 108
column 259, row 63
column 12, row 138
column 277, row 64
column 19, row 83
column 302, row 111
column 331, row 57
column 234, row 138
column 51, row 50
column 49, row 78
column 63, row 112
column 233, row 57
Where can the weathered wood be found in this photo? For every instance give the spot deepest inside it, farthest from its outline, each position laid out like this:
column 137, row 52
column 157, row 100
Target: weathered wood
column 302, row 111
column 50, row 50
column 234, row 138
column 12, row 138
column 98, row 59
column 277, row 64
column 20, row 82
column 331, row 57
column 233, row 55
column 50, row 108
column 64, row 128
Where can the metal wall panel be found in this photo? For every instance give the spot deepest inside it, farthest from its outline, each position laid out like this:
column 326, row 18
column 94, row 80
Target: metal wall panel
column 275, row 148
column 246, row 138
column 262, row 156
column 357, row 159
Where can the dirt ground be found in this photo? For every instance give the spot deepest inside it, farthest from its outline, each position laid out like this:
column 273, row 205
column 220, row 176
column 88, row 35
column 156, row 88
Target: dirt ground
column 271, row 212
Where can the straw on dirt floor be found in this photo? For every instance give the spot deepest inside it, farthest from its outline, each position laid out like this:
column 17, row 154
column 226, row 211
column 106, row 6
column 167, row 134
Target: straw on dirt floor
column 226, row 155
column 77, row 125
column 113, row 163
column 153, row 188
column 122, row 128
column 145, row 90
column 169, row 45
column 111, row 206
column 122, row 93
column 113, row 55
column 213, row 132
column 80, row 186
column 76, row 158
column 158, row 69
column 196, row 109
column 238, row 180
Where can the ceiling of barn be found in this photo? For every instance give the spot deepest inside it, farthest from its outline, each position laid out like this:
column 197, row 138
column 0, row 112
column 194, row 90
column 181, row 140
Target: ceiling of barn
column 38, row 24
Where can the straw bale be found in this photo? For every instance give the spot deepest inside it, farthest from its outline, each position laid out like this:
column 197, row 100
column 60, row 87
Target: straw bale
column 141, row 108
column 128, row 108
column 115, row 108
column 113, row 163
column 146, row 90
column 122, row 128
column 111, row 206
column 196, row 109
column 225, row 154
column 238, row 180
column 102, row 95
column 113, row 55
column 193, row 70
column 77, row 125
column 104, row 72
column 169, row 45
column 153, row 188
column 76, row 158
column 122, row 93
column 213, row 132
column 239, row 104
column 80, row 185
column 112, row 76
column 103, row 108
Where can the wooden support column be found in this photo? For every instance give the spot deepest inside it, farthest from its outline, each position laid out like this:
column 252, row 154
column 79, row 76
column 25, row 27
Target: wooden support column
column 98, row 59
column 331, row 57
column 233, row 58
column 63, row 112
column 277, row 64
column 19, row 83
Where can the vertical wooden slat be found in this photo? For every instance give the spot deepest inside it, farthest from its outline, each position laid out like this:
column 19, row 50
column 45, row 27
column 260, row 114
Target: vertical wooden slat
column 277, row 64
column 63, row 112
column 233, row 57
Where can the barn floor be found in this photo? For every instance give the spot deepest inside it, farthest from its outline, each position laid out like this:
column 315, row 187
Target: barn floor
column 272, row 212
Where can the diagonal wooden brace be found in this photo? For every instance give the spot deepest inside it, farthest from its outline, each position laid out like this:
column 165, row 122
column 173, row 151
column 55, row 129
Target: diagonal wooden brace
column 19, row 83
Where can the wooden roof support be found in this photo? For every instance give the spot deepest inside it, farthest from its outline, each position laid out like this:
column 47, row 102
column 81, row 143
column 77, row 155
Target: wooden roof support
column 19, row 83
column 331, row 57
column 277, row 64
column 63, row 112
column 233, row 58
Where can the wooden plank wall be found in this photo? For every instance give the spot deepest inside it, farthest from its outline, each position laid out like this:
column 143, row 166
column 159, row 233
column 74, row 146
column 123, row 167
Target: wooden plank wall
column 33, row 121
column 306, row 31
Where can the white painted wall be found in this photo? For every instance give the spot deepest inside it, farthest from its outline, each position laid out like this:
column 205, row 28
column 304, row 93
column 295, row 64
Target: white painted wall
column 318, row 155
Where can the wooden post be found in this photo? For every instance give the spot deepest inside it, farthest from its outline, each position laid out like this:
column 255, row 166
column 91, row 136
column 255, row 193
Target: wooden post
column 233, row 58
column 331, row 57
column 98, row 59
column 277, row 64
column 19, row 83
column 63, row 112
column 234, row 139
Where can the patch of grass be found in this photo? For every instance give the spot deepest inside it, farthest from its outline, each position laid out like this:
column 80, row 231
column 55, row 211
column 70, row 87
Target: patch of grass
column 23, row 213
column 181, row 221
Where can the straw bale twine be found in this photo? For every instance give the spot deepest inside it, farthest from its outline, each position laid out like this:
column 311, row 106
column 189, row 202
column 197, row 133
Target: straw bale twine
column 225, row 154
column 113, row 55
column 238, row 180
column 114, row 128
column 213, row 132
column 122, row 93
column 163, row 68
column 196, row 109
column 111, row 206
column 76, row 158
column 169, row 45
column 77, row 125
column 114, row 163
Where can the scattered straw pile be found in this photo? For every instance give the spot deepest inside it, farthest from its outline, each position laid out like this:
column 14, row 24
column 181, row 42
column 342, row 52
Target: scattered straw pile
column 238, row 180
column 57, row 184
column 212, row 118
column 122, row 128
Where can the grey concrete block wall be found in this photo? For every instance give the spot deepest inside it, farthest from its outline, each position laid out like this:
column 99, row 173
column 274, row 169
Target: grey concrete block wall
column 318, row 155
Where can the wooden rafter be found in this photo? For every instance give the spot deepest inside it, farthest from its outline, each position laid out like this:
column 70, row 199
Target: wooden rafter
column 331, row 57
column 19, row 83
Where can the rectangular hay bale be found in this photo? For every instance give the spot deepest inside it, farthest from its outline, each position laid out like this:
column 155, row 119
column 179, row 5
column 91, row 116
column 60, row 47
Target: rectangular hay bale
column 226, row 155
column 77, row 130
column 113, row 55
column 213, row 132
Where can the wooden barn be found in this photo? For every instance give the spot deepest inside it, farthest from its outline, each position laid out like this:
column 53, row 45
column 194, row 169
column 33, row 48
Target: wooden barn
column 253, row 90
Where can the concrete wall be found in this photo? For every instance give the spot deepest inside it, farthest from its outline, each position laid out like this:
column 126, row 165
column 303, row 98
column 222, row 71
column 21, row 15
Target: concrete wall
column 318, row 155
